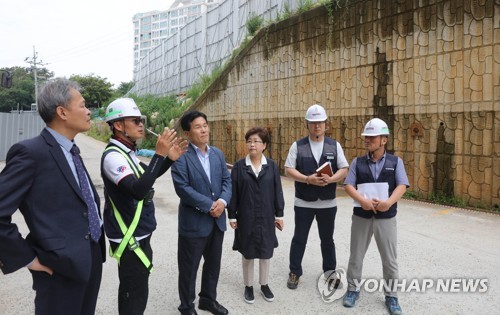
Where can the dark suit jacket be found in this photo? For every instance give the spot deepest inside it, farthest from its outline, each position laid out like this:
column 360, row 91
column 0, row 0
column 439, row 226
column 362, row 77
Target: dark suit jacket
column 38, row 181
column 197, row 193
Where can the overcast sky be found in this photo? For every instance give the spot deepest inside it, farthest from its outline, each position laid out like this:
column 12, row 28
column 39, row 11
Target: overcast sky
column 73, row 37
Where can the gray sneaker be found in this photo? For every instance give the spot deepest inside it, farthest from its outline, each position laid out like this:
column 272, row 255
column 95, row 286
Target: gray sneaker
column 393, row 306
column 293, row 281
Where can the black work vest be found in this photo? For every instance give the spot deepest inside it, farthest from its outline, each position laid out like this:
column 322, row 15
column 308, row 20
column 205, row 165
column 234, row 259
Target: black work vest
column 387, row 175
column 307, row 165
column 127, row 206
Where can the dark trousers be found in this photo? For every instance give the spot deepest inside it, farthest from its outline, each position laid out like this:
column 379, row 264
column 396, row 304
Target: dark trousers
column 58, row 295
column 325, row 219
column 133, row 290
column 189, row 253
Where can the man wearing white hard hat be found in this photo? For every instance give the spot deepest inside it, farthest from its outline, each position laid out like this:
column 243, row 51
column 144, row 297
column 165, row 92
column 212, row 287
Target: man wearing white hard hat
column 376, row 181
column 129, row 211
column 314, row 193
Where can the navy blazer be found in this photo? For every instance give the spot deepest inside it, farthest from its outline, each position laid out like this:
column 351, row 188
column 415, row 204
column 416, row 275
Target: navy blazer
column 38, row 181
column 197, row 193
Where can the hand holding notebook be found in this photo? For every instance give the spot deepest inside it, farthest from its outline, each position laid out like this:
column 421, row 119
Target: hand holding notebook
column 326, row 168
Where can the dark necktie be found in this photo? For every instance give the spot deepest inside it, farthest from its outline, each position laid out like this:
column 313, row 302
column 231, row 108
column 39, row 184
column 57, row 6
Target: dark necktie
column 94, row 223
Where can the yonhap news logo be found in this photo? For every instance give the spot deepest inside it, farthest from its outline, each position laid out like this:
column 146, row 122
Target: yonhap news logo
column 449, row 285
column 332, row 285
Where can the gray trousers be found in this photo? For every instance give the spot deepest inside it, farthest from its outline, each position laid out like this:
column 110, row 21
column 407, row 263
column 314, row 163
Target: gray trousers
column 247, row 265
column 385, row 233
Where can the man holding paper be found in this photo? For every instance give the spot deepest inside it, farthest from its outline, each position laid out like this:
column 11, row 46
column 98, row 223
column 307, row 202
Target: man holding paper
column 376, row 181
column 314, row 193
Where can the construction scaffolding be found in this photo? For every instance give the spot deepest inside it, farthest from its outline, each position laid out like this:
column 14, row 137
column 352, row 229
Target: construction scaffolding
column 202, row 45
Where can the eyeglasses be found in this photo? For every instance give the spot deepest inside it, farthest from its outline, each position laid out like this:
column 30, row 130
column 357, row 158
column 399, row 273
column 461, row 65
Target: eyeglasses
column 250, row 142
column 138, row 120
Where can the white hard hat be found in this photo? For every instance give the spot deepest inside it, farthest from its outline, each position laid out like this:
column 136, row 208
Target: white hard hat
column 316, row 113
column 121, row 108
column 376, row 127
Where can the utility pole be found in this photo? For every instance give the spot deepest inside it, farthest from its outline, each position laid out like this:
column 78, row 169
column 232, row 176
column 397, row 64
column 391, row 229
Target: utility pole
column 34, row 63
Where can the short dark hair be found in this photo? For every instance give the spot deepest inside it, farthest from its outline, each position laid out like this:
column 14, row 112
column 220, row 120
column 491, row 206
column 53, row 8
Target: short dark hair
column 188, row 118
column 259, row 131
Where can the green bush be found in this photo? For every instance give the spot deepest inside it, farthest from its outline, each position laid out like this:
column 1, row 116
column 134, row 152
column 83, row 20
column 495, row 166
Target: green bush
column 410, row 194
column 446, row 200
column 305, row 5
column 253, row 24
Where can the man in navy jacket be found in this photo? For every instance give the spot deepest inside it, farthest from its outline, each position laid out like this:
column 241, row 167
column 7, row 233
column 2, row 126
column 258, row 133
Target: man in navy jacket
column 41, row 180
column 203, row 184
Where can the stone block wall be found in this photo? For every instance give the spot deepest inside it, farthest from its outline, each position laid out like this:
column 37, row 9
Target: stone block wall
column 429, row 68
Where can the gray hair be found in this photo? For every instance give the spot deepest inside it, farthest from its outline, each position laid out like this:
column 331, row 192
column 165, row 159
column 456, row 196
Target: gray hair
column 55, row 93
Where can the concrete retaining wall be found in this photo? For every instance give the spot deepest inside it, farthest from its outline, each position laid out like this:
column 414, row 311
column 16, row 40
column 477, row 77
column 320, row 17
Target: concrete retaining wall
column 431, row 69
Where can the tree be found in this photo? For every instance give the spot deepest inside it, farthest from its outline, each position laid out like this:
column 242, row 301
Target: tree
column 95, row 90
column 22, row 92
column 124, row 87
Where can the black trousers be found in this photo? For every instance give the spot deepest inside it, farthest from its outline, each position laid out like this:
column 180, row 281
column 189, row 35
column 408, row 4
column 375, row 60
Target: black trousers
column 326, row 224
column 189, row 253
column 58, row 295
column 133, row 290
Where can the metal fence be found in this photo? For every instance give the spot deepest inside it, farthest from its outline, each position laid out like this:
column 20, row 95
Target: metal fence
column 15, row 127
column 202, row 45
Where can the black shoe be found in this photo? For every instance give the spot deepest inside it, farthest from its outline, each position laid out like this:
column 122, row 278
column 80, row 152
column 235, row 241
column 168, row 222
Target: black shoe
column 293, row 281
column 213, row 307
column 249, row 298
column 267, row 293
column 189, row 312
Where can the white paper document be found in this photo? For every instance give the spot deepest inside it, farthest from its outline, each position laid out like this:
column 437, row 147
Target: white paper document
column 373, row 190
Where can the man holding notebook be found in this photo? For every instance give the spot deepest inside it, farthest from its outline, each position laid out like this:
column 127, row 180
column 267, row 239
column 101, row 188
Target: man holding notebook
column 314, row 193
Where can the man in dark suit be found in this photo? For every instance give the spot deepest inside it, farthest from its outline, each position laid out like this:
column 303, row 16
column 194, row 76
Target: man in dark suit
column 45, row 179
column 203, row 184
